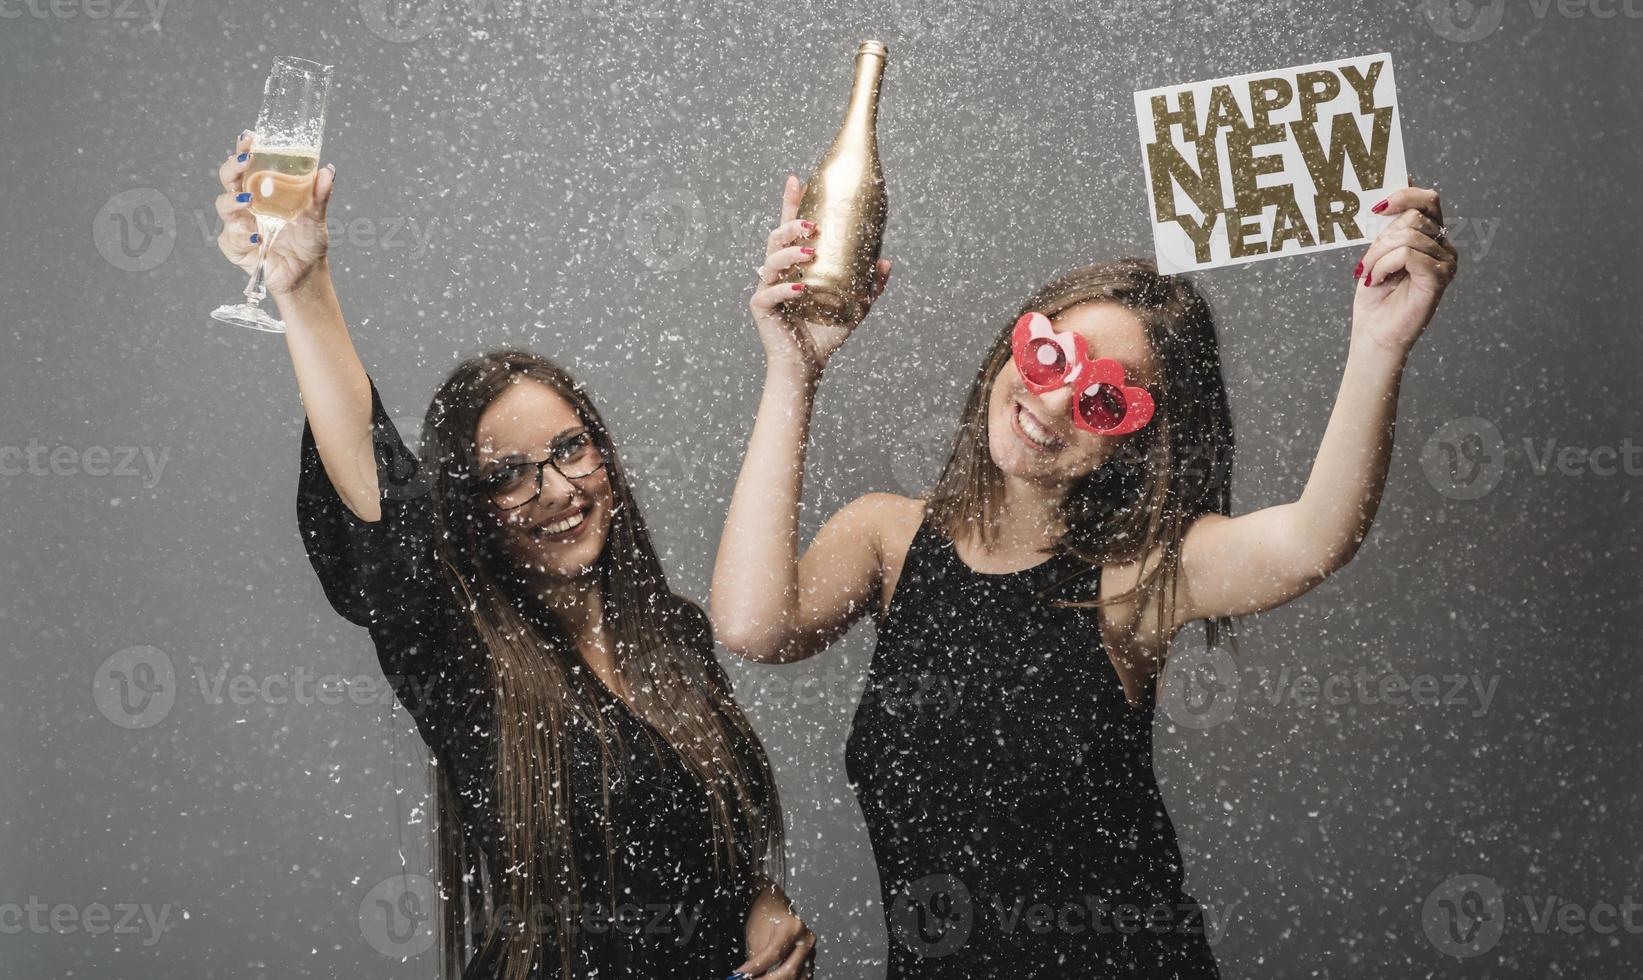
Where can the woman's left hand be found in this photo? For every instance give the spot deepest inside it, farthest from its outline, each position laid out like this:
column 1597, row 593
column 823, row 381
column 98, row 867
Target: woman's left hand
column 782, row 947
column 1404, row 273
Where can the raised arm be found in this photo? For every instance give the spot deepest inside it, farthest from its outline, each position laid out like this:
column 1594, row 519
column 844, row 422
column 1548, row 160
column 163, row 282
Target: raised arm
column 336, row 392
column 767, row 603
column 1240, row 565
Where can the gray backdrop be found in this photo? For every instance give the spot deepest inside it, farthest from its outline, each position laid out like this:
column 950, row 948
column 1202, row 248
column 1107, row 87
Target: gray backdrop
column 595, row 181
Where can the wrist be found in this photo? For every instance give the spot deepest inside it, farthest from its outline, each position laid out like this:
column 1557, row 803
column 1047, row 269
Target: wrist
column 1364, row 349
column 313, row 289
column 795, row 378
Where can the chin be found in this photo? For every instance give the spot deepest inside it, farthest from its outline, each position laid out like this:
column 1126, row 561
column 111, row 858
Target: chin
column 570, row 554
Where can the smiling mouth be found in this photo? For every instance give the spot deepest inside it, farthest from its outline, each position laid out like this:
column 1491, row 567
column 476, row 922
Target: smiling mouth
column 563, row 528
column 1033, row 432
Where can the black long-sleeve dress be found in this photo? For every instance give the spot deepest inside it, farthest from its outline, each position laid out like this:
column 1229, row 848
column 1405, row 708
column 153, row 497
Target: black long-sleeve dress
column 1008, row 786
column 674, row 916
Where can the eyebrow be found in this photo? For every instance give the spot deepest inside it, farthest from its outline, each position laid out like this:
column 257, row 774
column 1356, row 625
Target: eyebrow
column 555, row 443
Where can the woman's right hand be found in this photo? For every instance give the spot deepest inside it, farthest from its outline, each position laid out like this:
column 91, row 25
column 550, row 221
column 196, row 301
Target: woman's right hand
column 299, row 248
column 790, row 341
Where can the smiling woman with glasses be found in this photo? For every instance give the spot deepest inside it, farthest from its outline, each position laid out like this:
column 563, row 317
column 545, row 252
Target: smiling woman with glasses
column 591, row 764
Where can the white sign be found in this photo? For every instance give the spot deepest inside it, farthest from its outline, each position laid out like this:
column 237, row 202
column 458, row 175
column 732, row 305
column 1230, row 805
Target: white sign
column 1271, row 163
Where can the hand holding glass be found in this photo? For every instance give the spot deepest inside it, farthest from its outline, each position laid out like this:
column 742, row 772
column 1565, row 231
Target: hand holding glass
column 285, row 147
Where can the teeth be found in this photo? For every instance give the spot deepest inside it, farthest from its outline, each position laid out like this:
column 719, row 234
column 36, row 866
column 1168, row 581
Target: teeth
column 1034, row 431
column 562, row 526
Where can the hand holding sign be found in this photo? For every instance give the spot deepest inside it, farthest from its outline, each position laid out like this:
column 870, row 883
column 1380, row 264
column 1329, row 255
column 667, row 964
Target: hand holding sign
column 1273, row 163
column 1404, row 272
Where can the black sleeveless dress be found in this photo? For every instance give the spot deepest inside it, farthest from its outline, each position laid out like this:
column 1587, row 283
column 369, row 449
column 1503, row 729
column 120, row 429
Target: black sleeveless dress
column 1008, row 786
column 659, row 909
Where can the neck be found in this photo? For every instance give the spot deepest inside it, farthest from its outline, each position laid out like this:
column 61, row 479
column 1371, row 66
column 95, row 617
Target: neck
column 579, row 605
column 1029, row 517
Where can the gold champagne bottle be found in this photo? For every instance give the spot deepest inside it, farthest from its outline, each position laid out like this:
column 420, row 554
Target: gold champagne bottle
column 845, row 198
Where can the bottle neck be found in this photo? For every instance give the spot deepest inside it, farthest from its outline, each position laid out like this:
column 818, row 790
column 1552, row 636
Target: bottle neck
column 862, row 113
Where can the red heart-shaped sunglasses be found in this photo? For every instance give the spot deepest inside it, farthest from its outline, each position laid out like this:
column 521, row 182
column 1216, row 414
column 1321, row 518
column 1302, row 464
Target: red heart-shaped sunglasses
column 1102, row 403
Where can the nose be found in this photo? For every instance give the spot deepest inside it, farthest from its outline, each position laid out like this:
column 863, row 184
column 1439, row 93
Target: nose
column 557, row 490
column 1057, row 404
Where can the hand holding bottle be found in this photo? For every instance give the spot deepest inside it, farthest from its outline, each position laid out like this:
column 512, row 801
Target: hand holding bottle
column 790, row 341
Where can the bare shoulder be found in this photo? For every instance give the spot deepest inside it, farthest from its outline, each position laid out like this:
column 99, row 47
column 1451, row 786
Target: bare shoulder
column 893, row 521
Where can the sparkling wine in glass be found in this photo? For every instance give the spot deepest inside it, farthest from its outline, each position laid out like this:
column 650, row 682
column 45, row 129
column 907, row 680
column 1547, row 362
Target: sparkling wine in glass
column 285, row 147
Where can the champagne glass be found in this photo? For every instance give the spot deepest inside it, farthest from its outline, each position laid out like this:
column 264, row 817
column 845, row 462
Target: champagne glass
column 285, row 149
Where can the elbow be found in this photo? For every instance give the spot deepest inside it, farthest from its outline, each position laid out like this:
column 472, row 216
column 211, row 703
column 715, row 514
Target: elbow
column 745, row 637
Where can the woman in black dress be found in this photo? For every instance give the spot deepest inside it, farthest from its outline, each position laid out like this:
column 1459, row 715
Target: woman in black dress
column 1002, row 750
column 605, row 810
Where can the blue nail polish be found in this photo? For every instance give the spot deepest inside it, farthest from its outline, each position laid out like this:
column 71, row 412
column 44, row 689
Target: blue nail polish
column 242, row 157
column 255, row 238
column 243, row 198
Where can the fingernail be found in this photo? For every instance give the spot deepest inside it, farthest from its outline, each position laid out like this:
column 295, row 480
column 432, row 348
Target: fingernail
column 243, row 134
column 1357, row 272
column 243, row 157
column 255, row 238
column 1381, row 206
column 243, row 198
column 798, row 287
column 737, row 976
column 1366, row 281
column 808, row 225
column 808, row 250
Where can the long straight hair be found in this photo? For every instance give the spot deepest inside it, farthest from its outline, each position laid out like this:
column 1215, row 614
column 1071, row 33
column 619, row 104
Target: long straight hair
column 664, row 656
column 1175, row 470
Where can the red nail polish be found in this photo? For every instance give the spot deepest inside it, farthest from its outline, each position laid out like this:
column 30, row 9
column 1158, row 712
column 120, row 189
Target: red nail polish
column 1357, row 273
column 798, row 287
column 808, row 251
column 1381, row 206
column 1366, row 276
column 809, row 225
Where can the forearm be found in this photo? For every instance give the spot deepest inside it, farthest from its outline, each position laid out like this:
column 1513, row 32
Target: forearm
column 336, row 392
column 1343, row 491
column 756, row 573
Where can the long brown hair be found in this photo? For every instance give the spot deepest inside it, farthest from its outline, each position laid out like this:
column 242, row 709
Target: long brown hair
column 1175, row 470
column 664, row 655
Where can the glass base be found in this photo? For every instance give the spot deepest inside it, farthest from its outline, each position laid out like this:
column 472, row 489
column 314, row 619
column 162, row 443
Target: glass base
column 246, row 315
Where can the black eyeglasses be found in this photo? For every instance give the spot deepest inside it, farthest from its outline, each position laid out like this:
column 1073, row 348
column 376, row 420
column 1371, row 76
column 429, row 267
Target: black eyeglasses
column 518, row 483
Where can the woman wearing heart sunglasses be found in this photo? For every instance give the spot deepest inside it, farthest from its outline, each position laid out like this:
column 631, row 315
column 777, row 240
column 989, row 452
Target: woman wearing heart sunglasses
column 1082, row 520
column 603, row 808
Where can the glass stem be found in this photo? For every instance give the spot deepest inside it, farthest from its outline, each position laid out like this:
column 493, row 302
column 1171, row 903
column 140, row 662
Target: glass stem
column 268, row 229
